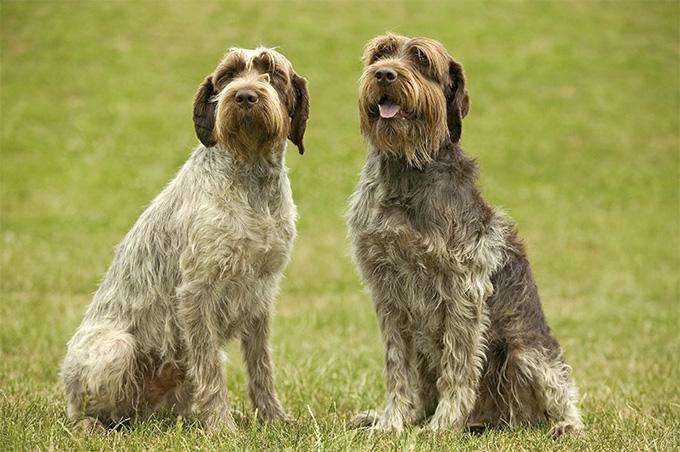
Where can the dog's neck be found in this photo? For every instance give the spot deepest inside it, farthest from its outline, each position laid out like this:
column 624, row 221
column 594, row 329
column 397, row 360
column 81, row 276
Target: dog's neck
column 255, row 164
column 260, row 168
column 448, row 156
column 448, row 178
column 261, row 176
column 257, row 160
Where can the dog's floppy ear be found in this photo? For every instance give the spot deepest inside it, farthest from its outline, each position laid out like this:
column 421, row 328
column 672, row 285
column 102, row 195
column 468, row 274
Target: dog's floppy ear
column 204, row 112
column 300, row 112
column 457, row 100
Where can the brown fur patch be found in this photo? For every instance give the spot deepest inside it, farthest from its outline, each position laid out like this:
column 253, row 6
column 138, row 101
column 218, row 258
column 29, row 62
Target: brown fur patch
column 255, row 129
column 282, row 109
column 164, row 380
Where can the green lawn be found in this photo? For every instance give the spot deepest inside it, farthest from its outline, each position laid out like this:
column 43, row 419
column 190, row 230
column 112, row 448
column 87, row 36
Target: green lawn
column 574, row 122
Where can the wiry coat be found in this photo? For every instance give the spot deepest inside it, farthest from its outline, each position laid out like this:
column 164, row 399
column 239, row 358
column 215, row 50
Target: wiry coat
column 466, row 340
column 200, row 266
column 221, row 231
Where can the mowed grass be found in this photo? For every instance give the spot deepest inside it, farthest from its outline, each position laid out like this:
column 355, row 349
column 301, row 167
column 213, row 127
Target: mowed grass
column 574, row 122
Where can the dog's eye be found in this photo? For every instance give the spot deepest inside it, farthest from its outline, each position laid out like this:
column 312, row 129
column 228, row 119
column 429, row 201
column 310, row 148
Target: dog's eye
column 380, row 54
column 421, row 60
column 277, row 73
column 225, row 77
column 420, row 57
column 375, row 57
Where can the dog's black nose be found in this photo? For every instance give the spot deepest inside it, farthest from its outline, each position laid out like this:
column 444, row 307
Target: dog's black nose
column 246, row 97
column 385, row 75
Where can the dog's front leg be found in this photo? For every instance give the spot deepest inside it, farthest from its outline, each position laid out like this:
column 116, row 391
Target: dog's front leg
column 400, row 407
column 256, row 353
column 461, row 363
column 197, row 316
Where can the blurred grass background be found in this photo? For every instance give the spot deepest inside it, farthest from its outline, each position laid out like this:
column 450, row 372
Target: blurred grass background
column 574, row 122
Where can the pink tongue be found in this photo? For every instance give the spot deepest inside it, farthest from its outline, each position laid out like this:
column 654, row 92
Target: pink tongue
column 388, row 110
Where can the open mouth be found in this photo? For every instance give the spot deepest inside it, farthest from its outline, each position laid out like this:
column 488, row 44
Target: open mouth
column 388, row 109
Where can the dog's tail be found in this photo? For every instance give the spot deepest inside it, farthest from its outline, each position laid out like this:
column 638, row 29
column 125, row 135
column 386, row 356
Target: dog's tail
column 364, row 419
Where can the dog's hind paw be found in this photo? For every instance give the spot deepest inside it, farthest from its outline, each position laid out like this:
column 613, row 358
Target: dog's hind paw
column 364, row 419
column 477, row 428
column 567, row 428
column 90, row 425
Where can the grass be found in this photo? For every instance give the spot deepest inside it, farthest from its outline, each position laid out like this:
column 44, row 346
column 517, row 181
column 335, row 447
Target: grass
column 574, row 122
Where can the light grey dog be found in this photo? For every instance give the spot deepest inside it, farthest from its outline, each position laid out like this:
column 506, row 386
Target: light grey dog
column 202, row 264
column 466, row 342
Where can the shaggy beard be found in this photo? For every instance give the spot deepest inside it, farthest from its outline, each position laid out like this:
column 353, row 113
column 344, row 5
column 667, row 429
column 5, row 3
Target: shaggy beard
column 414, row 140
column 251, row 132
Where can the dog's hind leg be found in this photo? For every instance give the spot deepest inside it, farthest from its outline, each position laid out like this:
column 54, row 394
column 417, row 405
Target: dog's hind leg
column 101, row 377
column 555, row 390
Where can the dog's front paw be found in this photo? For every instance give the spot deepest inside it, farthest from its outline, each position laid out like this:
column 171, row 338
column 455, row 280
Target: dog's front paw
column 439, row 423
column 444, row 418
column 389, row 422
column 219, row 420
column 273, row 414
column 567, row 428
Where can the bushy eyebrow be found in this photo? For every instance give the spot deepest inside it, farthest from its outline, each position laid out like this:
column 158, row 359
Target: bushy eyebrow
column 428, row 55
column 380, row 47
column 387, row 49
column 232, row 64
column 267, row 62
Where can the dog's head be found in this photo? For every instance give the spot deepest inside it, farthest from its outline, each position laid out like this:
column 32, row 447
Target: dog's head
column 412, row 96
column 252, row 101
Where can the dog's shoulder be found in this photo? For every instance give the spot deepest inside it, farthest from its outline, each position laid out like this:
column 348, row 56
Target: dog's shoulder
column 367, row 196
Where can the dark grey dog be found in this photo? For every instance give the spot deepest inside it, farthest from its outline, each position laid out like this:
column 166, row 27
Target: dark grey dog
column 466, row 342
column 203, row 262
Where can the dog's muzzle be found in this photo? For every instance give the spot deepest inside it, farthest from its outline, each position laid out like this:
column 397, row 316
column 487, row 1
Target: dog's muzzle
column 246, row 98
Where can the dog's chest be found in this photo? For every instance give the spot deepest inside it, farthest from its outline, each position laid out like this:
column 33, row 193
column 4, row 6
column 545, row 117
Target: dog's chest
column 429, row 253
column 267, row 232
column 245, row 229
column 417, row 252
column 269, row 242
column 409, row 239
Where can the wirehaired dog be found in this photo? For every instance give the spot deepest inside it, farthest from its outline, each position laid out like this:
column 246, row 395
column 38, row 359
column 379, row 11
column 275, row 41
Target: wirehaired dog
column 203, row 262
column 466, row 342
